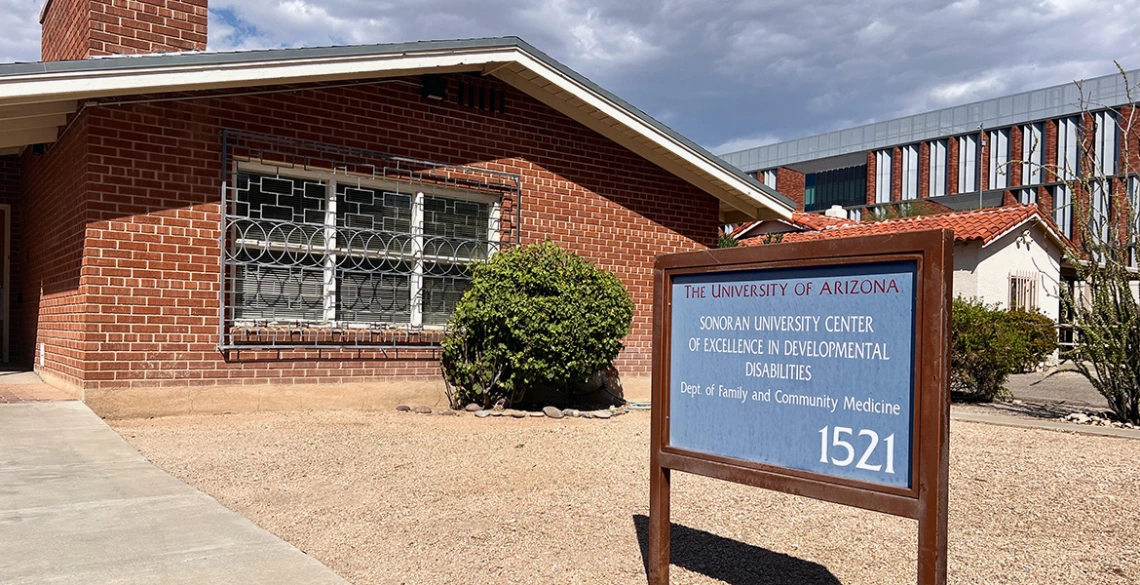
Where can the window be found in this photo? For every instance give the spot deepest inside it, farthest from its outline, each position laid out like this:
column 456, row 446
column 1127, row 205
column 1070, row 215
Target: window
column 325, row 248
column 1032, row 153
column 1023, row 290
column 999, row 159
column 1027, row 196
column 1105, row 143
column 768, row 177
column 1100, row 206
column 1134, row 210
column 1063, row 209
column 910, row 172
column 1068, row 159
column 843, row 187
column 938, row 164
column 883, row 161
column 967, row 163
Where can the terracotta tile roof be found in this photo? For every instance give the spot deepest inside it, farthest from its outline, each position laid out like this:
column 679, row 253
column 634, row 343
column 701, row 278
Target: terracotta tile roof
column 801, row 220
column 981, row 224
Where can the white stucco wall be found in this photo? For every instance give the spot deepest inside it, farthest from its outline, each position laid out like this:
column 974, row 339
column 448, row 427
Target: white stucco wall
column 965, row 269
column 983, row 273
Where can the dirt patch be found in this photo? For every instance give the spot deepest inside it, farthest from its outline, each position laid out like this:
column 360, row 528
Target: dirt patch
column 385, row 498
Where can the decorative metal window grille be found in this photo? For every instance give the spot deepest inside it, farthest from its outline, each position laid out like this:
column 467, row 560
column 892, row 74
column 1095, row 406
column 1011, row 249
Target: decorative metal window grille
column 342, row 248
column 1023, row 290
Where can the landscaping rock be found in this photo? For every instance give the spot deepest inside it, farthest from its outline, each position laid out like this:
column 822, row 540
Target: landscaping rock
column 553, row 412
column 518, row 414
column 536, row 413
column 421, row 410
column 585, row 415
column 603, row 414
column 403, row 408
column 496, row 412
column 473, row 407
column 482, row 413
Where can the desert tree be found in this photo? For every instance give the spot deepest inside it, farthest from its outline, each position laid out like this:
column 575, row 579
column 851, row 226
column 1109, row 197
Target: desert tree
column 1097, row 196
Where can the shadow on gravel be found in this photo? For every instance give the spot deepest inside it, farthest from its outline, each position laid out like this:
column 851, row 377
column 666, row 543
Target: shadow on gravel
column 731, row 561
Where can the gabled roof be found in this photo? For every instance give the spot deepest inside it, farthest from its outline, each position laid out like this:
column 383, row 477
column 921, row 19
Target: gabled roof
column 799, row 220
column 984, row 225
column 40, row 95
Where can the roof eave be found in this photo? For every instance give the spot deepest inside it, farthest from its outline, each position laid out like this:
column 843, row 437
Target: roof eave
column 133, row 76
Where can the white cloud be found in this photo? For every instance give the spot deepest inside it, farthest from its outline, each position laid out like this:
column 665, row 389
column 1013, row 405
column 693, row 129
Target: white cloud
column 724, row 72
column 20, row 30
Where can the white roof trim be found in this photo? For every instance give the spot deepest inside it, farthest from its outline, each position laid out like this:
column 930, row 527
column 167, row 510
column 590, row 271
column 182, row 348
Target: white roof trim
column 1037, row 220
column 43, row 87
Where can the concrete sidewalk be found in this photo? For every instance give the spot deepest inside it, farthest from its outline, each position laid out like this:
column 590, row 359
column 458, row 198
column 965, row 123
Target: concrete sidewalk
column 78, row 505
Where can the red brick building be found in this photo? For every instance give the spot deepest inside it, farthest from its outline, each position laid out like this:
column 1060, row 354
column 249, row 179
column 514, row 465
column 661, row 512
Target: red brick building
column 1020, row 149
column 184, row 229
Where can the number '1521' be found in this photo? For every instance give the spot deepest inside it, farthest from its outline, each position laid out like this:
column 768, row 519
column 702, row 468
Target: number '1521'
column 848, row 450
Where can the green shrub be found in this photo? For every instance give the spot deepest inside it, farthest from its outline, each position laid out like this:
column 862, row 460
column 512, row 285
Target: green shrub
column 1038, row 335
column 535, row 317
column 988, row 344
column 726, row 241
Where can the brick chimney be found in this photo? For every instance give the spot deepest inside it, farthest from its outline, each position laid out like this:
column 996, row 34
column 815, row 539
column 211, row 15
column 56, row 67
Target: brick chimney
column 79, row 29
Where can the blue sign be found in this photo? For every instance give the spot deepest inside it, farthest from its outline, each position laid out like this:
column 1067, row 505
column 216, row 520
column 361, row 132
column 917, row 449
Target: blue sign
column 804, row 368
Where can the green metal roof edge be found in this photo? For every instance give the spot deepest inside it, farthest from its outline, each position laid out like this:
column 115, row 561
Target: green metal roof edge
column 237, row 57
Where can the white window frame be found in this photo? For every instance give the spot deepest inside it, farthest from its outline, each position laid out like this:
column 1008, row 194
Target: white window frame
column 331, row 180
column 1068, row 148
column 910, row 172
column 1027, row 195
column 968, row 163
column 1134, row 210
column 1032, row 153
column 1063, row 209
column 1105, row 142
column 1100, row 209
column 884, row 161
column 999, row 158
column 939, row 161
column 769, row 178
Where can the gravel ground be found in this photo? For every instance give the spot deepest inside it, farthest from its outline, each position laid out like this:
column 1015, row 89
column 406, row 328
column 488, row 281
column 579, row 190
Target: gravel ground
column 388, row 498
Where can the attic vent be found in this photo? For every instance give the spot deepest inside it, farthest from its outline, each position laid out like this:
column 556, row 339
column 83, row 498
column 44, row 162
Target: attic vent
column 473, row 95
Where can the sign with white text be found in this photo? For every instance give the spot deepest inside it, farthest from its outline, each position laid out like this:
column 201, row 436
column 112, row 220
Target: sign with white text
column 819, row 369
column 805, row 368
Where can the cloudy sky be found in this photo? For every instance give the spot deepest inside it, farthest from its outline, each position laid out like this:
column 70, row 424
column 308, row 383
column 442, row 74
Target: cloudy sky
column 729, row 75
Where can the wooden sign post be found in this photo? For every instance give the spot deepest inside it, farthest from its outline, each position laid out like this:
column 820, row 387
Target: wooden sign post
column 819, row 369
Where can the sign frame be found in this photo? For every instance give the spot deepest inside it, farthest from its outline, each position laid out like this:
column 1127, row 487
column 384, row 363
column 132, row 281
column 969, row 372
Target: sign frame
column 926, row 499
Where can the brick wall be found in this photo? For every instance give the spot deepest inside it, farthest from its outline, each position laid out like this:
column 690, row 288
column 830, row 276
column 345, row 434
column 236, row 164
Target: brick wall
column 952, row 165
column 896, row 174
column 52, row 208
column 78, row 29
column 791, row 184
column 150, row 264
column 1016, row 144
column 924, row 170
